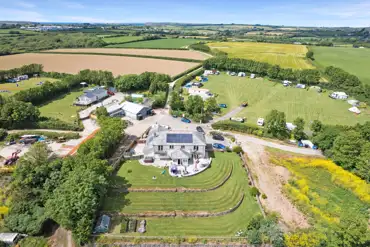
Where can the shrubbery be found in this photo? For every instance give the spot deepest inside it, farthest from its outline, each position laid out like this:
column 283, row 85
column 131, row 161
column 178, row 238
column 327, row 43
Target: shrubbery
column 240, row 127
column 51, row 135
column 181, row 82
column 3, row 134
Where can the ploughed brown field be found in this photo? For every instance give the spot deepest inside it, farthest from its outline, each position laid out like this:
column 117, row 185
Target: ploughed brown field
column 145, row 52
column 73, row 63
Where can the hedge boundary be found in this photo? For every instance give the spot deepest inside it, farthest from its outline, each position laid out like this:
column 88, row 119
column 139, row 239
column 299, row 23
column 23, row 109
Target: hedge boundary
column 125, row 55
column 49, row 134
column 186, row 72
column 238, row 127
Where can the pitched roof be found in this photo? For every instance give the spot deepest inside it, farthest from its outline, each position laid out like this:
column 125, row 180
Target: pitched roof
column 179, row 154
column 132, row 107
column 178, row 138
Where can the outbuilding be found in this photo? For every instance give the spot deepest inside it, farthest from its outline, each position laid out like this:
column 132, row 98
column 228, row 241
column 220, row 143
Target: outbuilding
column 115, row 110
column 91, row 96
column 135, row 111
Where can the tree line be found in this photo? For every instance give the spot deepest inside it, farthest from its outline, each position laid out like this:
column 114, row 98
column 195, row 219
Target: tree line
column 351, row 84
column 29, row 70
column 48, row 41
column 66, row 191
column 307, row 76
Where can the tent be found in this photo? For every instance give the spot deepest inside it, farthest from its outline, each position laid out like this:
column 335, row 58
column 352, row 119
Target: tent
column 253, row 76
column 354, row 110
column 353, row 102
column 241, row 74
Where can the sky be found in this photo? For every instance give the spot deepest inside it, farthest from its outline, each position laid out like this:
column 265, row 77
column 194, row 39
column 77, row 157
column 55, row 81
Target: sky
column 330, row 13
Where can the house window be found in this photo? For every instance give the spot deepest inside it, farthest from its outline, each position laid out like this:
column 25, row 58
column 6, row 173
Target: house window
column 182, row 147
column 196, row 148
column 171, row 146
column 160, row 148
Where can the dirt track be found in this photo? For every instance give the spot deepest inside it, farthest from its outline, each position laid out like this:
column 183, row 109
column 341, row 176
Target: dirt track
column 74, row 63
column 146, row 52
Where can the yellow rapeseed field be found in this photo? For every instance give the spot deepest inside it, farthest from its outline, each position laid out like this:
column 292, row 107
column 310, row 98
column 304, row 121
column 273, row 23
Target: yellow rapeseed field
column 285, row 55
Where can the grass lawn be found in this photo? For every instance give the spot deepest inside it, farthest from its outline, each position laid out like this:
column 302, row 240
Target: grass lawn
column 23, row 85
column 218, row 200
column 352, row 60
column 141, row 176
column 263, row 96
column 112, row 40
column 158, row 43
column 285, row 55
column 63, row 107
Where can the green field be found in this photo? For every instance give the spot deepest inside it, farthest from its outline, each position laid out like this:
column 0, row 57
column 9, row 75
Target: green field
column 218, row 200
column 158, row 43
column 23, row 85
column 120, row 39
column 63, row 107
column 285, row 55
column 352, row 60
column 6, row 31
column 263, row 96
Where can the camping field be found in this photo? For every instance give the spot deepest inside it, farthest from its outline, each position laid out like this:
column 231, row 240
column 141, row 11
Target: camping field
column 158, row 43
column 263, row 96
column 63, row 107
column 121, row 39
column 285, row 55
column 352, row 60
column 23, row 85
column 218, row 200
column 73, row 63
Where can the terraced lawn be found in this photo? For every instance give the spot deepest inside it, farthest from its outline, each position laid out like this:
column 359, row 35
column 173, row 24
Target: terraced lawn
column 263, row 96
column 140, row 176
column 218, row 200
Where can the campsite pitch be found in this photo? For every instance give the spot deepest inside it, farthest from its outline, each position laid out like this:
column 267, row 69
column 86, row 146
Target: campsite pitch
column 23, row 85
column 263, row 96
column 143, row 52
column 285, row 55
column 73, row 63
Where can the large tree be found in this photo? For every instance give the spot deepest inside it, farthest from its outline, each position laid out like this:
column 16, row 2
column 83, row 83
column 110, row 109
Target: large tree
column 194, row 105
column 176, row 102
column 276, row 124
column 210, row 105
column 298, row 132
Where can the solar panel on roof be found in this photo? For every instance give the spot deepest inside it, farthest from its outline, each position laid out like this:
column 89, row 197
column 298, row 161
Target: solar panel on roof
column 179, row 138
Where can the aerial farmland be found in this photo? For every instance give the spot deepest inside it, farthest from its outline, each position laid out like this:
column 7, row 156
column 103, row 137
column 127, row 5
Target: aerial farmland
column 67, row 63
column 285, row 55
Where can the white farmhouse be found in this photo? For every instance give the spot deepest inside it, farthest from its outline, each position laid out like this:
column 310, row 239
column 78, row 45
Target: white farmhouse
column 91, row 96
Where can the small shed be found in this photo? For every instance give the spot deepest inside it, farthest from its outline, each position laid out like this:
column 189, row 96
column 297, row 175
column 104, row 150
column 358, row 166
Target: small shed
column 241, row 74
column 103, row 224
column 354, row 109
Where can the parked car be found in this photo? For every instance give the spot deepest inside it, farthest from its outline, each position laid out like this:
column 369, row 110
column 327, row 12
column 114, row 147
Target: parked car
column 198, row 84
column 218, row 146
column 244, row 104
column 200, row 129
column 223, row 105
column 218, row 137
column 185, row 120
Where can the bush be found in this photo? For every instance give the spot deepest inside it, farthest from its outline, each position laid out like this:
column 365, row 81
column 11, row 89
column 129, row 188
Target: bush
column 240, row 127
column 3, row 134
column 237, row 149
column 181, row 82
column 228, row 149
column 51, row 135
column 54, row 123
column 264, row 196
column 254, row 191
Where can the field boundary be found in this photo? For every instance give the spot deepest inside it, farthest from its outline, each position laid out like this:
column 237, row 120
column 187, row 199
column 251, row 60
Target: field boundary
column 177, row 189
column 179, row 213
column 144, row 48
column 124, row 55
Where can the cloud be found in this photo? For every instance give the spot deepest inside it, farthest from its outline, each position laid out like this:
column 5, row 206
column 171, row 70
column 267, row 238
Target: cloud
column 85, row 19
column 73, row 5
column 25, row 4
column 10, row 14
